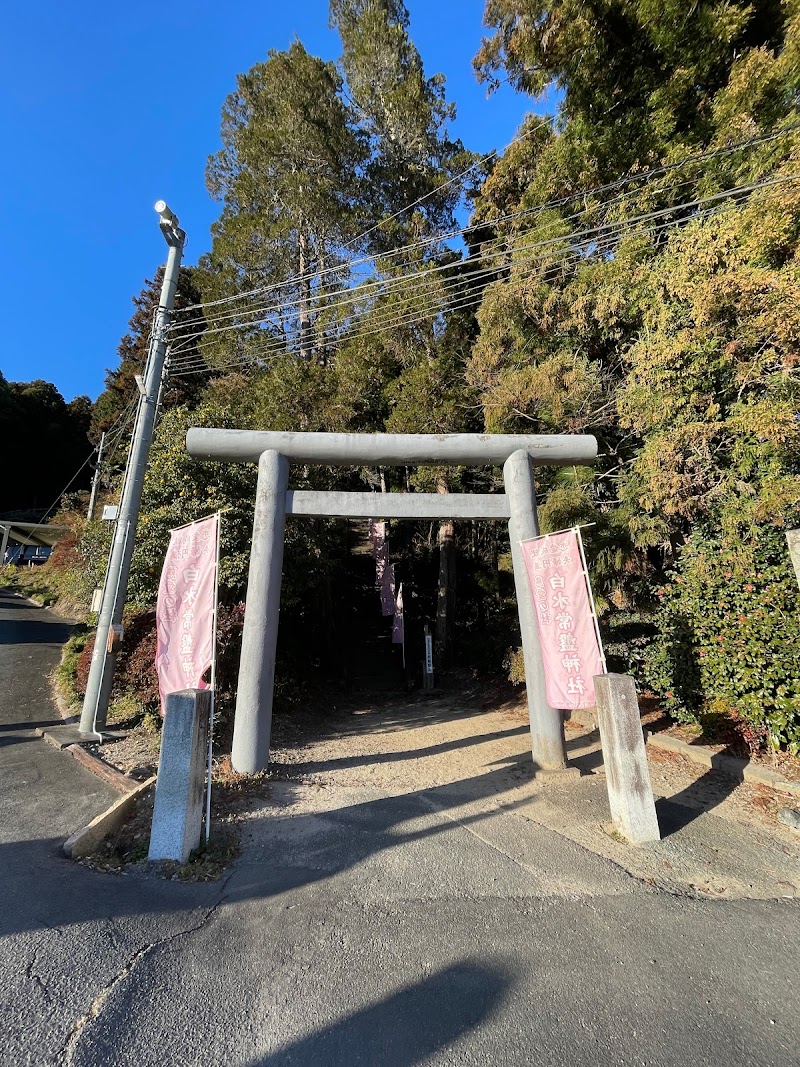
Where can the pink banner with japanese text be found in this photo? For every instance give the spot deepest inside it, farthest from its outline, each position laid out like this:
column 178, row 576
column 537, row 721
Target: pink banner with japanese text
column 567, row 633
column 398, row 622
column 387, row 591
column 185, row 608
column 384, row 571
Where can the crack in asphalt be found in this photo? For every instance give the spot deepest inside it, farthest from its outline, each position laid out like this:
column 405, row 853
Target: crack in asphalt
column 67, row 1053
column 32, row 976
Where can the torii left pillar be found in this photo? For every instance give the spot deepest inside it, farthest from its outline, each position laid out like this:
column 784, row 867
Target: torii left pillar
column 253, row 723
column 547, row 725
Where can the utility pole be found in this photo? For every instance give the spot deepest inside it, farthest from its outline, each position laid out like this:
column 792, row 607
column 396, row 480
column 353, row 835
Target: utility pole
column 109, row 628
column 96, row 479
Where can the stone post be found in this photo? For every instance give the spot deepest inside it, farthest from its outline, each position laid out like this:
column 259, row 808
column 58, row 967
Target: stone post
column 547, row 726
column 630, row 795
column 253, row 723
column 178, row 809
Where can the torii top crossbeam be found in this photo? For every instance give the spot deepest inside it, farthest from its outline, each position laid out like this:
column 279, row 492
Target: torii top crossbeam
column 391, row 450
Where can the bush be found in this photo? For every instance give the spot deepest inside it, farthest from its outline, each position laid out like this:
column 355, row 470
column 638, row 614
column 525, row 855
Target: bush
column 729, row 637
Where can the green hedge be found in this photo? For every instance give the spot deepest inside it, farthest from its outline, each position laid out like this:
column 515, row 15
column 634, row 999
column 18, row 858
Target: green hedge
column 729, row 637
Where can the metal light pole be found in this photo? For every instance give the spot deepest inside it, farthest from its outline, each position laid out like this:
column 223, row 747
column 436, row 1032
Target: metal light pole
column 101, row 671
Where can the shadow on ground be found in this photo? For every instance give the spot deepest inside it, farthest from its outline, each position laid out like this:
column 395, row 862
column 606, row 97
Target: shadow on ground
column 702, row 795
column 406, row 1028
column 33, row 632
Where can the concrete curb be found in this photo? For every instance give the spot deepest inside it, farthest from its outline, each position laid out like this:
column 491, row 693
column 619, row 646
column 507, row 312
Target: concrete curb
column 742, row 769
column 86, row 840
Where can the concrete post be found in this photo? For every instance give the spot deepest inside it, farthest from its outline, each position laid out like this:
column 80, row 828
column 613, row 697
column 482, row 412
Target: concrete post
column 547, row 726
column 178, row 809
column 101, row 668
column 4, row 544
column 630, row 795
column 253, row 723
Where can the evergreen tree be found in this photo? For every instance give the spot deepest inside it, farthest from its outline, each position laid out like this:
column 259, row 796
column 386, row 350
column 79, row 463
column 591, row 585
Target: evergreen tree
column 670, row 346
column 120, row 388
column 44, row 442
column 404, row 116
column 288, row 175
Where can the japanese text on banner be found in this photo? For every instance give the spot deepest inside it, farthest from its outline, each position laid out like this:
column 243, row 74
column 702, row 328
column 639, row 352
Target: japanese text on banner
column 564, row 616
column 185, row 608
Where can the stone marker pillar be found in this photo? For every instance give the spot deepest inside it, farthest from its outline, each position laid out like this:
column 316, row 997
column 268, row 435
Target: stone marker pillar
column 178, row 809
column 630, row 795
column 253, row 723
column 547, row 726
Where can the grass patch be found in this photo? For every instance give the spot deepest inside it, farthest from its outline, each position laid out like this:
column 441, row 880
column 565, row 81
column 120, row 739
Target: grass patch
column 66, row 673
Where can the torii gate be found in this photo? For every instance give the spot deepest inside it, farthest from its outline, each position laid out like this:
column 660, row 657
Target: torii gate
column 273, row 451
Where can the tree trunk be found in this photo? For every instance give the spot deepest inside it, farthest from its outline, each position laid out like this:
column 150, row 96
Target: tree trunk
column 446, row 593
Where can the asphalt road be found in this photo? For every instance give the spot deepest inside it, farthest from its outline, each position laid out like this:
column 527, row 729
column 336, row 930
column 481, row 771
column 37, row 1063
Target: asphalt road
column 362, row 929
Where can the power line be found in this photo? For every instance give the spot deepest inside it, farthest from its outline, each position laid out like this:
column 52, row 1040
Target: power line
column 386, row 285
column 258, row 314
column 470, row 298
column 428, row 281
column 622, row 182
column 43, row 521
column 434, row 192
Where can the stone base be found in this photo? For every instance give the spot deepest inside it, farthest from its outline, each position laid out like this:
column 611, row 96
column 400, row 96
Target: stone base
column 556, row 774
column 63, row 736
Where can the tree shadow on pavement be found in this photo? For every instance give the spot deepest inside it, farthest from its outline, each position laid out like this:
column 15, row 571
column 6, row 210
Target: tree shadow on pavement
column 33, row 632
column 706, row 792
column 405, row 1028
column 304, row 848
column 366, row 758
column 16, row 603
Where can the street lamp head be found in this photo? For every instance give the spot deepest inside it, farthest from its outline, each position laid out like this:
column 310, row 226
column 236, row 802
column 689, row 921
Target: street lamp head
column 168, row 218
column 168, row 221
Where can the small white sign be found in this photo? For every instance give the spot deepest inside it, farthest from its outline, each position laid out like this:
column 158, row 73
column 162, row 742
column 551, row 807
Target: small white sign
column 428, row 654
column 97, row 599
column 110, row 512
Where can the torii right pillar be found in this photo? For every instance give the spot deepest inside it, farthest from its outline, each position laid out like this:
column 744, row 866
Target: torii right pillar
column 547, row 725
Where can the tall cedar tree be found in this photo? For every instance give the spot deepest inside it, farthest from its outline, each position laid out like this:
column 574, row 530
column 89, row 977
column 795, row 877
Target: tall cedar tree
column 288, row 175
column 120, row 390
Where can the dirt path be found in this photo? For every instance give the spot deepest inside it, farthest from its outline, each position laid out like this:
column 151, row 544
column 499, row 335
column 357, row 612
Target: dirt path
column 720, row 837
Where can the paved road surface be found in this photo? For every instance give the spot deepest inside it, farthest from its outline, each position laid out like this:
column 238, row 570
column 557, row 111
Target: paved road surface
column 361, row 929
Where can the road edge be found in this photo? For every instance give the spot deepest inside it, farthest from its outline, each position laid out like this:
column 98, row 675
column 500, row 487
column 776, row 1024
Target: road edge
column 86, row 840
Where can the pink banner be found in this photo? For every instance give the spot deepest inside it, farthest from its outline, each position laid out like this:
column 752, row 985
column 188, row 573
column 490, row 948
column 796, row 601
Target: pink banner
column 380, row 550
column 387, row 590
column 377, row 534
column 398, row 623
column 564, row 615
column 185, row 609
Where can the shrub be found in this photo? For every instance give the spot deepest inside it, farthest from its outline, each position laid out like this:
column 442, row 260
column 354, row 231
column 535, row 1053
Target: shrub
column 730, row 637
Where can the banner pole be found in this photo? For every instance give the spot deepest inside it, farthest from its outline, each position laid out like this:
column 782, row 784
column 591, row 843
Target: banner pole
column 553, row 533
column 174, row 529
column 591, row 596
column 213, row 679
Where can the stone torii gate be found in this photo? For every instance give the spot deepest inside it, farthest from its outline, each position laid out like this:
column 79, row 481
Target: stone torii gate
column 273, row 451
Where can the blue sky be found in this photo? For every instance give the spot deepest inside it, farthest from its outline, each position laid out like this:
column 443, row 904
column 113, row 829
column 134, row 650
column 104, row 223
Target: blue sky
column 109, row 107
